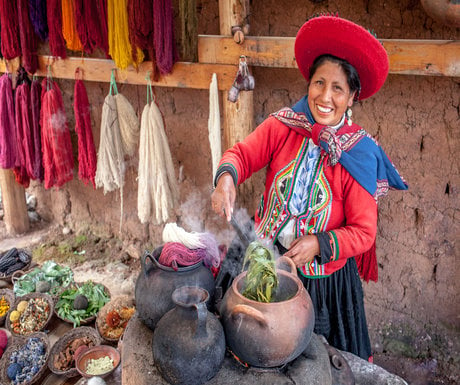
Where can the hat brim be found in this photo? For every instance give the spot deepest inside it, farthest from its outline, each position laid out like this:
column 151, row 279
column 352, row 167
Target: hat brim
column 346, row 40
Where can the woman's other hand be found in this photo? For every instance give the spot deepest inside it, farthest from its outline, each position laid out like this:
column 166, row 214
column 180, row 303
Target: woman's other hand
column 303, row 250
column 223, row 197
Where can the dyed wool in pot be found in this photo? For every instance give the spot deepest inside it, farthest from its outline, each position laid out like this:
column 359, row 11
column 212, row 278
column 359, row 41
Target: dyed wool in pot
column 175, row 254
column 35, row 104
column 163, row 34
column 158, row 191
column 27, row 38
column 10, row 45
column 8, row 143
column 118, row 35
column 129, row 124
column 37, row 13
column 69, row 31
column 91, row 24
column 87, row 160
column 56, row 39
column 56, row 143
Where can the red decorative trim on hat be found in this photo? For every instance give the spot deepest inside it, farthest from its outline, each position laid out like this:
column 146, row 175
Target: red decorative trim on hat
column 346, row 40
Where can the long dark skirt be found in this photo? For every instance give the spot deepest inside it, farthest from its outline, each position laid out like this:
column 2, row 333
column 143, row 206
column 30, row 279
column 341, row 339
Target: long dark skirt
column 339, row 309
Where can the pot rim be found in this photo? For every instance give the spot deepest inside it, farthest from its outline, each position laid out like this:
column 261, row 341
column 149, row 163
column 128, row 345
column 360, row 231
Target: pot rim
column 179, row 268
column 291, row 276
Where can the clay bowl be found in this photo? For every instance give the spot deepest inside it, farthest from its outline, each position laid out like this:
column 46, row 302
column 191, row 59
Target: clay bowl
column 94, row 353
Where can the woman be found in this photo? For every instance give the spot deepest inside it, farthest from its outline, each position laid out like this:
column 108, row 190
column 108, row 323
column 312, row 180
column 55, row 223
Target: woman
column 324, row 175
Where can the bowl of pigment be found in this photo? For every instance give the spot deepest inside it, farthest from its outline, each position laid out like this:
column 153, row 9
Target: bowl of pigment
column 100, row 361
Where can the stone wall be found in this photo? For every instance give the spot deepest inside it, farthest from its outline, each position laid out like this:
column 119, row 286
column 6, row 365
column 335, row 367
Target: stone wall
column 414, row 307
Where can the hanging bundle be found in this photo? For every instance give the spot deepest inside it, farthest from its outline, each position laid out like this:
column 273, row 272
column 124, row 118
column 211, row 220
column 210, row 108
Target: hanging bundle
column 214, row 124
column 243, row 80
column 56, row 143
column 157, row 186
column 118, row 33
column 56, row 40
column 69, row 31
column 8, row 143
column 91, row 24
column 24, row 170
column 27, row 38
column 163, row 35
column 140, row 23
column 38, row 18
column 129, row 125
column 189, row 28
column 10, row 45
column 87, row 160
column 35, row 94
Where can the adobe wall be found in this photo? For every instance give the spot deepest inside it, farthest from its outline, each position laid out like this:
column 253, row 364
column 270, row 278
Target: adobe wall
column 416, row 119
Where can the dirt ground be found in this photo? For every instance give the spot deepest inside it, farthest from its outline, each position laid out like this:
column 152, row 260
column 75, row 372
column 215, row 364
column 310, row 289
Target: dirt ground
column 109, row 261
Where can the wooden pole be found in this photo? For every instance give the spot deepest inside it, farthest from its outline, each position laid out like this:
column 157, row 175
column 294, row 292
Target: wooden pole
column 13, row 194
column 238, row 117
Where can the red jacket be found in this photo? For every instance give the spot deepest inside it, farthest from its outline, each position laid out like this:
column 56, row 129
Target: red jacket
column 341, row 211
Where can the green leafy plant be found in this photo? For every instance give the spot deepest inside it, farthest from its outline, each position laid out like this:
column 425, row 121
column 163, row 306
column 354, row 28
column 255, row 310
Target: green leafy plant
column 261, row 280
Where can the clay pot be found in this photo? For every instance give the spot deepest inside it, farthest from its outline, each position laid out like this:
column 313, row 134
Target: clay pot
column 188, row 343
column 269, row 334
column 156, row 283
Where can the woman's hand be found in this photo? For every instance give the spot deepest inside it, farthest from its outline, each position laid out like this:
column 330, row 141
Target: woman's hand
column 223, row 197
column 303, row 250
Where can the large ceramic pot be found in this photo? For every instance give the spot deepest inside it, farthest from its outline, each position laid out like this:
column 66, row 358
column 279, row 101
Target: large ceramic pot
column 188, row 343
column 156, row 283
column 268, row 334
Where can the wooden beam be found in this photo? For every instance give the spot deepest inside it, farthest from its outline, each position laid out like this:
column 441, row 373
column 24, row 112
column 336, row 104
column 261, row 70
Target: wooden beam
column 409, row 57
column 184, row 75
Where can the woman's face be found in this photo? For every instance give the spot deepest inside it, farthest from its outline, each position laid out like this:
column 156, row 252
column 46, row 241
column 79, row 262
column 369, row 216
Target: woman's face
column 329, row 94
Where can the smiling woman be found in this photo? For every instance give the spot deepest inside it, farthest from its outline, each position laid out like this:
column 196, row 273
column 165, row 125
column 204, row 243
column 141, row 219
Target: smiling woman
column 324, row 176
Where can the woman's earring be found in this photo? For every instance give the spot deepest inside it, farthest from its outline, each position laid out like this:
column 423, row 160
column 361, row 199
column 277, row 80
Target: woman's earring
column 349, row 114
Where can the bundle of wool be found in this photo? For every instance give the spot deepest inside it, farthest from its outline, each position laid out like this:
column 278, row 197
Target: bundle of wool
column 35, row 94
column 110, row 157
column 163, row 34
column 175, row 254
column 37, row 13
column 214, row 124
column 56, row 40
column 129, row 124
column 69, row 30
column 118, row 35
column 10, row 45
column 8, row 142
column 27, row 38
column 24, row 137
column 158, row 191
column 87, row 160
column 91, row 24
column 56, row 144
column 140, row 23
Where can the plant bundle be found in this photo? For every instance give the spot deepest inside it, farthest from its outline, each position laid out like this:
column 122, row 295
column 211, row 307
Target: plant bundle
column 261, row 279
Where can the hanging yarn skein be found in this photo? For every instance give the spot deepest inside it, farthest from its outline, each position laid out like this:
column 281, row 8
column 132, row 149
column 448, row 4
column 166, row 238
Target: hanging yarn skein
column 56, row 143
column 157, row 186
column 91, row 24
column 10, row 45
column 118, row 35
column 54, row 17
column 8, row 142
column 214, row 124
column 69, row 30
column 37, row 13
column 27, row 38
column 163, row 35
column 129, row 124
column 35, row 93
column 87, row 159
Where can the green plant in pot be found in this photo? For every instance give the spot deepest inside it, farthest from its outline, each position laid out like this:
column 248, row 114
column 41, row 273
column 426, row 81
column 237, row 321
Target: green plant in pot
column 261, row 279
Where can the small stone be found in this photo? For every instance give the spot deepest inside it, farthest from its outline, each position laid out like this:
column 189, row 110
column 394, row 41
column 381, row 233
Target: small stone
column 66, row 230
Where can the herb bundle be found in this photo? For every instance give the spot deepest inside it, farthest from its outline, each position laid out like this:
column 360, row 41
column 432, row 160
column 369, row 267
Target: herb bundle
column 261, row 279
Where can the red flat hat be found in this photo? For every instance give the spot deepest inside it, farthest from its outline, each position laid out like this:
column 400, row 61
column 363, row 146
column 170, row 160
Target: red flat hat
column 346, row 40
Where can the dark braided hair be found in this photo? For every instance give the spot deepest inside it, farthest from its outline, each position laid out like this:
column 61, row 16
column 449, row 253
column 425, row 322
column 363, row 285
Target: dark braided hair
column 352, row 75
